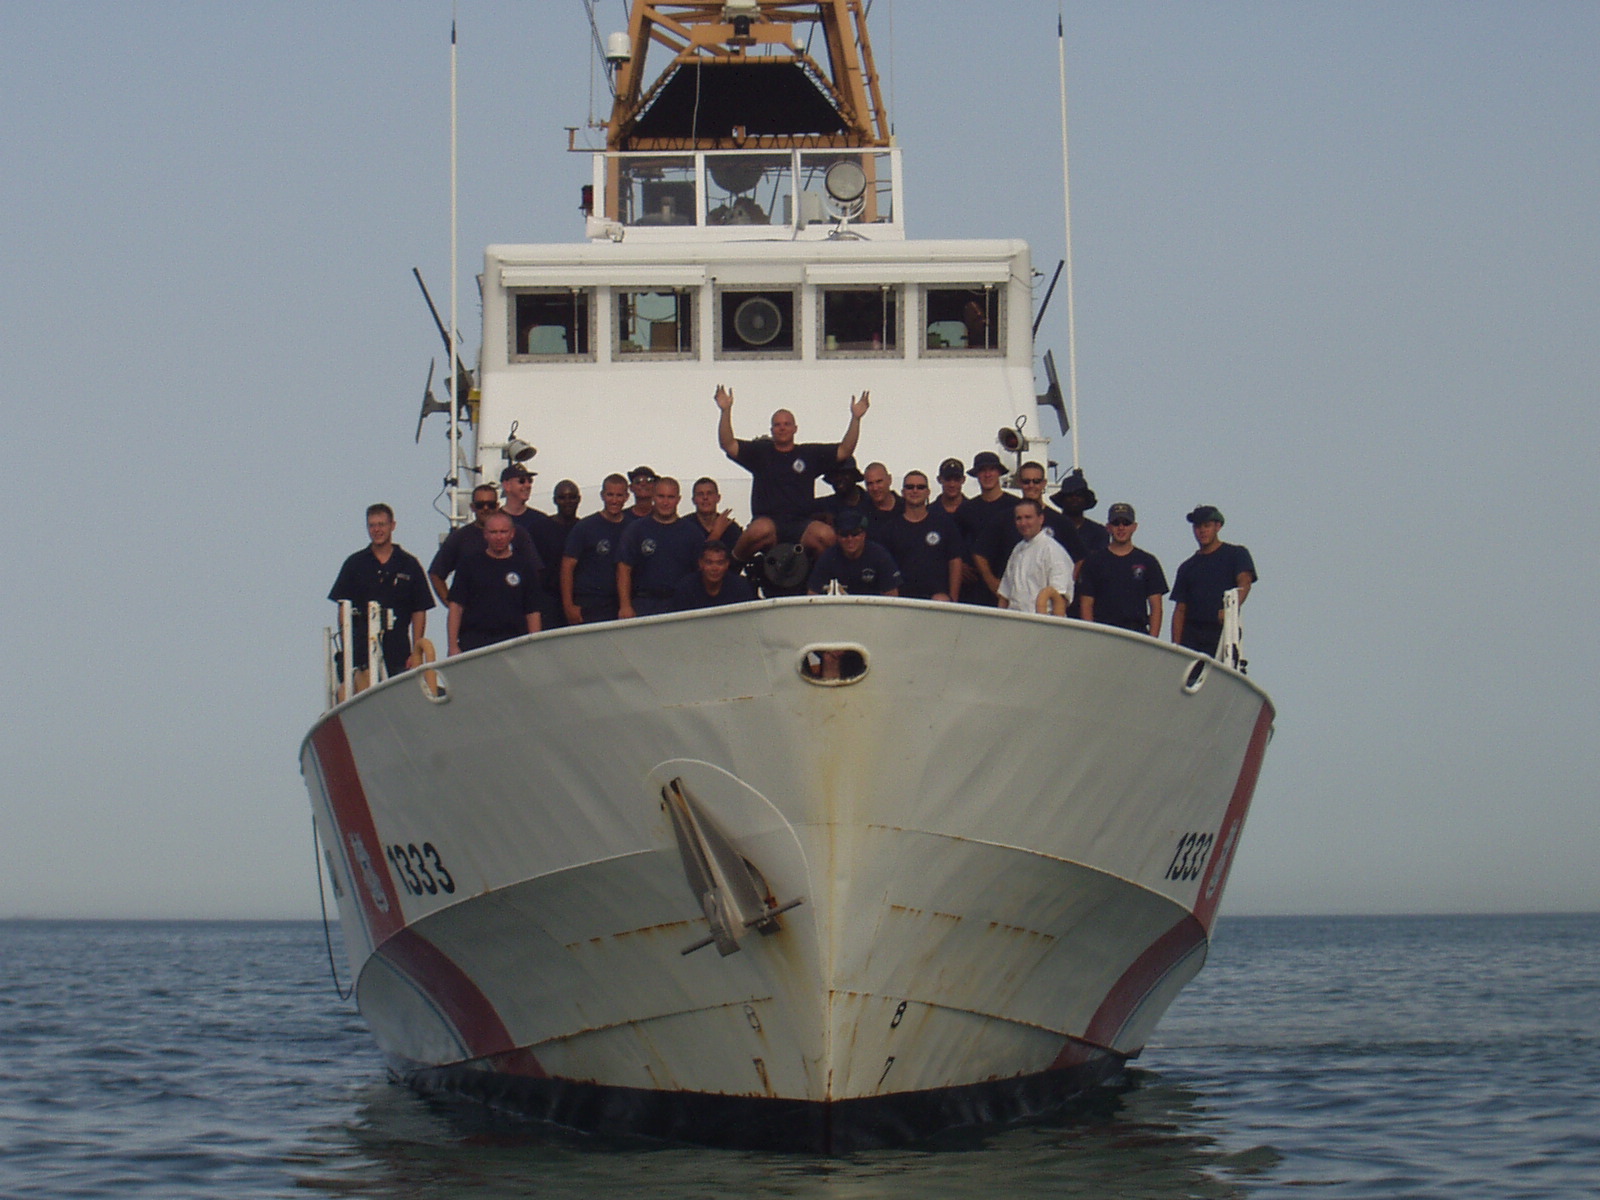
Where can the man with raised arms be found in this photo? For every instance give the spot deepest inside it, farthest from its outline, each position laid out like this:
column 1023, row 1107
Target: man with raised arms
column 496, row 594
column 589, row 561
column 1038, row 566
column 784, row 474
column 657, row 552
column 1122, row 585
column 925, row 544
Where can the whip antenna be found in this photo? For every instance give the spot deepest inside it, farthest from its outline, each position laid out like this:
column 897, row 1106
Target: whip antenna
column 1066, row 203
column 455, row 351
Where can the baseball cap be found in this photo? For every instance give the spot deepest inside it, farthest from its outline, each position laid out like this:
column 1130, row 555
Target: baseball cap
column 1120, row 512
column 849, row 521
column 1203, row 513
column 952, row 468
column 516, row 471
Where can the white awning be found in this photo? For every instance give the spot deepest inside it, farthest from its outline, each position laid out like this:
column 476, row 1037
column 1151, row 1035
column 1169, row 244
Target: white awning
column 908, row 272
column 623, row 275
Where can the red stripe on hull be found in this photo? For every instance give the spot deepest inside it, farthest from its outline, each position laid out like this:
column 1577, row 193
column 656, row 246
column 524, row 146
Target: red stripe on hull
column 1210, row 894
column 1171, row 948
column 460, row 1001
column 358, row 836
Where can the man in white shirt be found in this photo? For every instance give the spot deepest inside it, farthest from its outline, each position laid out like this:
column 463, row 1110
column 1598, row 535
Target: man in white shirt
column 1037, row 567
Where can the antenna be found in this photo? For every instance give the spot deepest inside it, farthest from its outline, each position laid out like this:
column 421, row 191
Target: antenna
column 1066, row 203
column 455, row 352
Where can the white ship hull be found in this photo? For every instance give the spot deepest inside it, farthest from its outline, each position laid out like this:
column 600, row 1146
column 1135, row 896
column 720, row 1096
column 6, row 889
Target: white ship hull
column 1008, row 839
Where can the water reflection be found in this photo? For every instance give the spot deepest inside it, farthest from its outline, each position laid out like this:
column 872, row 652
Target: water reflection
column 1154, row 1138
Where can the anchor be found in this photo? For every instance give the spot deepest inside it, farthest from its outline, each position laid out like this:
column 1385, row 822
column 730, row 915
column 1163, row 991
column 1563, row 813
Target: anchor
column 731, row 891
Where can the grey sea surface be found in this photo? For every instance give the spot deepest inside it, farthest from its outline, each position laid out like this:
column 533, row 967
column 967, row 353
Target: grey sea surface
column 1391, row 1057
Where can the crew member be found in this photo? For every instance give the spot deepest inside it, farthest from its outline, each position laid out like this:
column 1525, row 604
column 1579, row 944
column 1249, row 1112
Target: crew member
column 547, row 535
column 1122, row 585
column 385, row 573
column 589, row 559
column 784, row 474
column 656, row 554
column 711, row 586
column 566, row 498
column 925, row 544
column 717, row 522
column 1203, row 578
column 496, row 593
column 860, row 567
column 983, row 514
column 468, row 539
column 883, row 505
column 642, row 482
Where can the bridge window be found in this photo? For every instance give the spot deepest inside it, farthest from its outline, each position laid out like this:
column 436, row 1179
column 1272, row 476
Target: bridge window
column 860, row 320
column 551, row 323
column 656, row 190
column 749, row 189
column 756, row 323
column 963, row 319
column 655, row 324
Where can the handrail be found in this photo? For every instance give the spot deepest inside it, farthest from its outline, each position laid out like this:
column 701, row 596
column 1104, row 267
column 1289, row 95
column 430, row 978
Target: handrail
column 1231, row 644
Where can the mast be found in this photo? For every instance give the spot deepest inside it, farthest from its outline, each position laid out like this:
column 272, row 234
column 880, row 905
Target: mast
column 757, row 53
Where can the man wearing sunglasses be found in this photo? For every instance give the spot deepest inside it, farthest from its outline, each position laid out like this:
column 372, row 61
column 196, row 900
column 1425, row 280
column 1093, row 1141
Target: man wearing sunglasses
column 925, row 543
column 1122, row 585
column 469, row 540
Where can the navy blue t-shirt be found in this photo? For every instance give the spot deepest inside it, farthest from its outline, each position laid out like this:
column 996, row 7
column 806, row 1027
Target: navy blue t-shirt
column 496, row 595
column 399, row 585
column 1094, row 535
column 596, row 543
column 661, row 554
column 1121, row 586
column 1202, row 578
column 923, row 550
column 783, row 483
column 870, row 575
column 468, row 539
column 691, row 593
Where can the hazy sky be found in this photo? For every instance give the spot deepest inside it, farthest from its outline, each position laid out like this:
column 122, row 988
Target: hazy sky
column 1338, row 272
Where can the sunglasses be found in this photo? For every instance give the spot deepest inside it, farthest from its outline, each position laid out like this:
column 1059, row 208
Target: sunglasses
column 486, row 504
column 1119, row 521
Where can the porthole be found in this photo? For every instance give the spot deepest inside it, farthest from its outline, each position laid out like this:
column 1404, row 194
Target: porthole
column 1195, row 675
column 833, row 665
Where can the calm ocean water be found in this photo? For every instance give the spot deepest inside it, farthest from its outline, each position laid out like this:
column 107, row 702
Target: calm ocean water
column 1351, row 1057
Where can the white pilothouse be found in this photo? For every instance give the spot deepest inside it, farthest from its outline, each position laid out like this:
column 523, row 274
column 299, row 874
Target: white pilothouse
column 659, row 876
